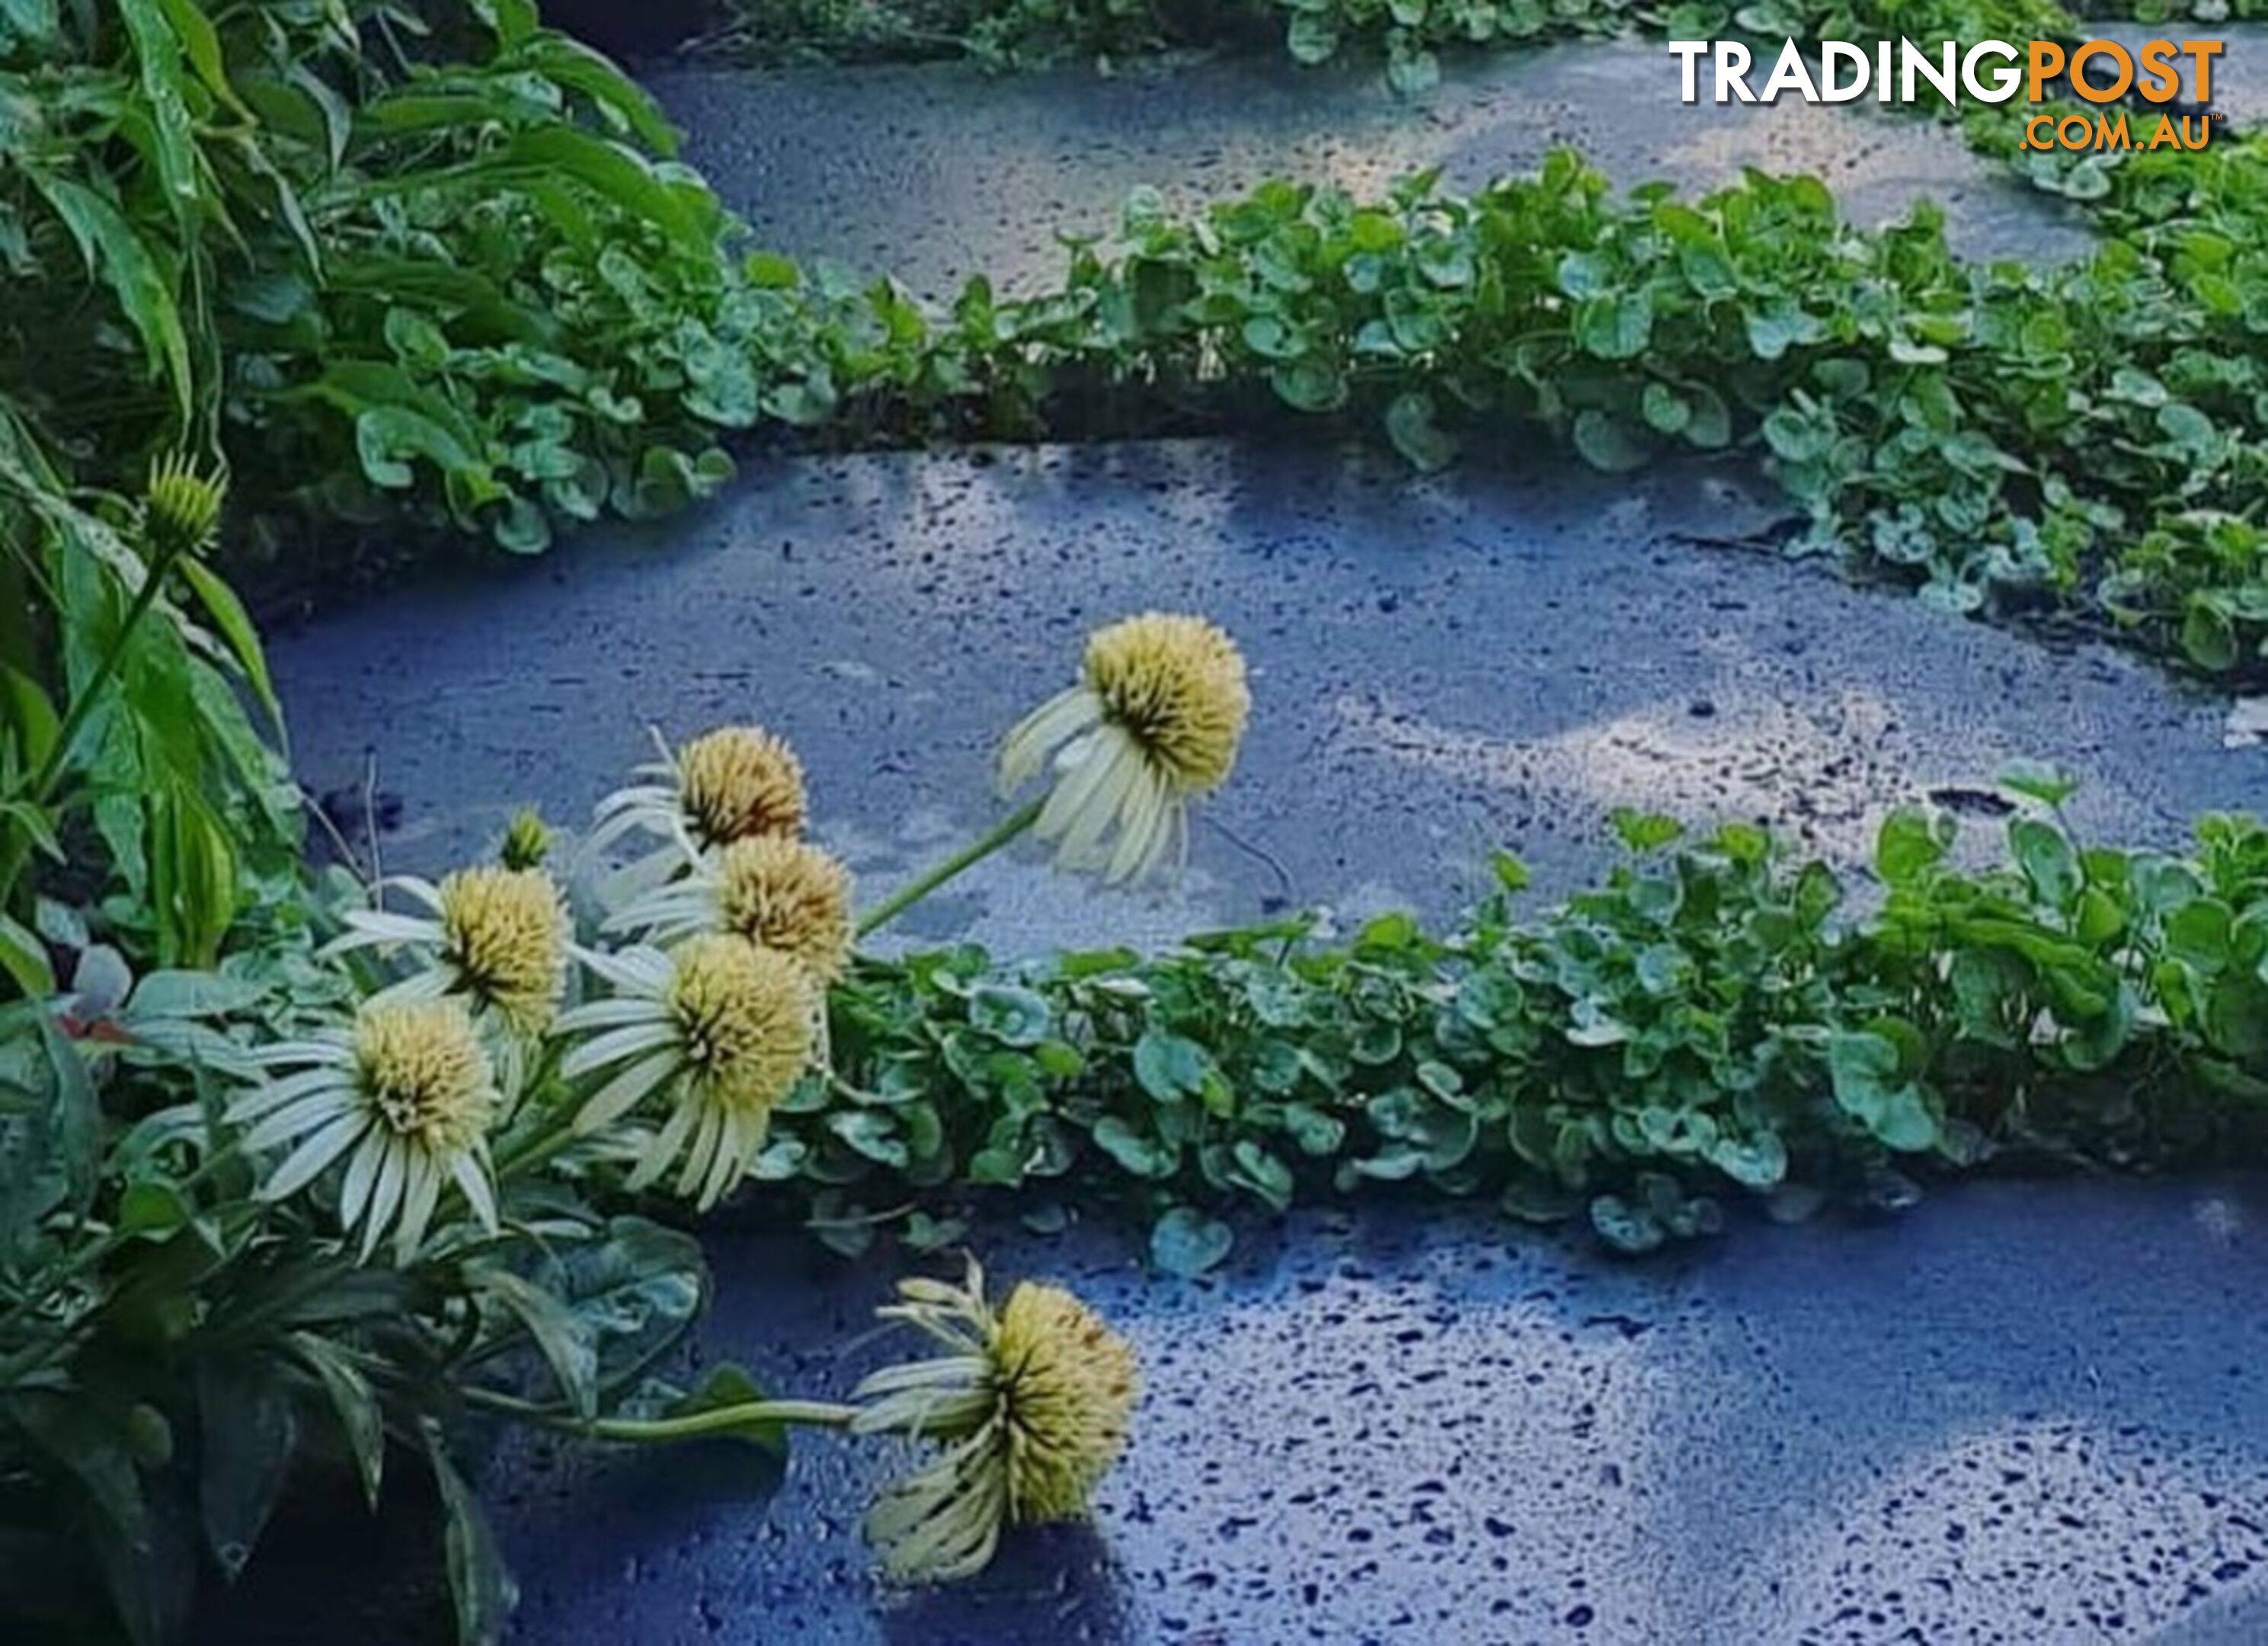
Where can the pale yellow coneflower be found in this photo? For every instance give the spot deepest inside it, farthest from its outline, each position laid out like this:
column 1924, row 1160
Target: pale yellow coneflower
column 497, row 936
column 783, row 894
column 1030, row 1408
column 718, row 1032
column 1155, row 721
column 405, row 1095
column 734, row 783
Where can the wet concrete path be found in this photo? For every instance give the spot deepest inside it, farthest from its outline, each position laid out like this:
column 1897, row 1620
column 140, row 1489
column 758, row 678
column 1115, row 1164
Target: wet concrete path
column 1498, row 657
column 2023, row 1413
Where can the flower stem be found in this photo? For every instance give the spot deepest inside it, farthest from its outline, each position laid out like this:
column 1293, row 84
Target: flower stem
column 920, row 886
column 691, row 1426
column 83, row 705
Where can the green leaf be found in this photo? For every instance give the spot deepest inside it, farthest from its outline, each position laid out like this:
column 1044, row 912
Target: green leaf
column 1309, row 385
column 635, row 1292
column 114, row 252
column 1142, row 1155
column 565, row 1341
column 245, row 1433
column 77, row 1117
column 872, row 1133
column 2198, row 933
column 1666, row 410
column 236, row 629
column 1910, row 844
column 2237, row 1017
column 1185, row 1242
column 1645, row 831
column 1312, row 38
column 478, row 1584
column 1868, row 1074
column 1616, row 327
column 1710, row 427
column 1169, row 1066
column 202, row 45
column 1757, row 1162
column 568, row 62
column 1316, row 1133
column 2208, row 637
column 2047, row 858
column 354, row 1404
column 1410, row 425
column 152, row 1208
column 1260, row 1172
column 176, row 993
column 2044, row 784
column 34, row 20
column 1014, row 1017
column 1608, row 444
column 1631, row 1229
column 387, row 434
column 554, row 153
column 1411, row 72
column 25, row 958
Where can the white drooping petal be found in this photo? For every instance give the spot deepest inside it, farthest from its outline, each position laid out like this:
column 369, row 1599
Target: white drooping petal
column 321, row 1149
column 615, row 1044
column 624, row 1092
column 420, row 1194
column 1061, row 717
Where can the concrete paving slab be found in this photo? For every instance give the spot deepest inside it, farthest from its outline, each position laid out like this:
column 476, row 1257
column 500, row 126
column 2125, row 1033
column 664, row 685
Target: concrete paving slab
column 936, row 172
column 2023, row 1412
column 1500, row 656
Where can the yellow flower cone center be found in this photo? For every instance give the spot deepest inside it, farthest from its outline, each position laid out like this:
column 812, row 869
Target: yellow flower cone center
column 746, row 1017
column 738, row 783
column 1066, row 1385
column 1177, row 685
column 424, row 1073
column 506, row 932
column 787, row 896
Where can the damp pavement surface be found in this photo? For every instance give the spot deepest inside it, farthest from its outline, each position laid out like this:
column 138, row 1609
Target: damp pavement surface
column 2021, row 1412
column 2018, row 1412
column 1499, row 657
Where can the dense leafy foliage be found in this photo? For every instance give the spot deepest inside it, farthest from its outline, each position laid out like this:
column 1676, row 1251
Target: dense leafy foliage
column 383, row 261
column 1714, row 1018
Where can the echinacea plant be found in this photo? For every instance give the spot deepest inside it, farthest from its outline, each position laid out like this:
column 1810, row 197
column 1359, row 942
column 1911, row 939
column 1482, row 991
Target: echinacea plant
column 733, row 784
column 404, row 1094
column 1028, row 1409
column 486, row 1074
column 497, row 937
column 397, row 1174
column 784, row 894
column 182, row 505
column 1153, row 724
column 719, row 1030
